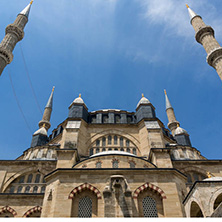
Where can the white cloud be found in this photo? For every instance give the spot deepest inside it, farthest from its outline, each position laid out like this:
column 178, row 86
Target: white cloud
column 174, row 16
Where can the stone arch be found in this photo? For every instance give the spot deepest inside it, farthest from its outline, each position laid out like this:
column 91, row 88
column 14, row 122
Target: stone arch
column 32, row 211
column 151, row 187
column 213, row 198
column 83, row 187
column 8, row 209
column 112, row 131
column 194, row 169
column 17, row 175
column 195, row 210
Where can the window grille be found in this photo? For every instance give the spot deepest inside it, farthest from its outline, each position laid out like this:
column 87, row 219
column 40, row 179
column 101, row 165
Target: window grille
column 27, row 189
column 115, row 140
column 12, row 188
column 97, row 142
column 104, row 141
column 37, row 178
column 109, row 140
column 21, row 180
column 91, row 152
column 149, row 207
column 29, row 178
column 19, row 189
column 85, row 207
column 35, row 189
column 43, row 189
column 115, row 164
column 121, row 141
column 98, row 165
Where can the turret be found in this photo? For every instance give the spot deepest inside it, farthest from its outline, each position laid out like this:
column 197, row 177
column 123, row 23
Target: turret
column 182, row 137
column 172, row 122
column 40, row 137
column 144, row 109
column 205, row 36
column 13, row 34
column 78, row 109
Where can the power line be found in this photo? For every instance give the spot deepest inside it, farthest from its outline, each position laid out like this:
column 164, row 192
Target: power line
column 30, row 83
column 20, row 108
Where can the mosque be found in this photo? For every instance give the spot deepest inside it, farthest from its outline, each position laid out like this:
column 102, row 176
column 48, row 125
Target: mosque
column 111, row 163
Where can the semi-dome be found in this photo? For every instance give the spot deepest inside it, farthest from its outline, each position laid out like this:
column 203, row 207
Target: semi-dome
column 143, row 100
column 213, row 179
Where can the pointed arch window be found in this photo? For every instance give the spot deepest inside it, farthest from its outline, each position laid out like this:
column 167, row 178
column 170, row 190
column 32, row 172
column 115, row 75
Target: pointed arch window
column 43, row 189
column 115, row 140
column 35, row 189
column 149, row 207
column 91, row 152
column 22, row 179
column 104, row 141
column 27, row 189
column 29, row 178
column 109, row 140
column 121, row 141
column 12, row 189
column 19, row 190
column 134, row 151
column 85, row 207
column 127, row 143
column 37, row 178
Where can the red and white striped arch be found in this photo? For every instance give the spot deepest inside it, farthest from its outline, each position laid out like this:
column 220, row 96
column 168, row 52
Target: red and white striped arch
column 149, row 186
column 83, row 187
column 8, row 209
column 32, row 210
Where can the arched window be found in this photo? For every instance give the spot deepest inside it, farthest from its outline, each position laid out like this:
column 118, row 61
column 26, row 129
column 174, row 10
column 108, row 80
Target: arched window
column 127, row 143
column 21, row 180
column 217, row 201
column 121, row 141
column 128, row 150
column 29, row 178
column 98, row 165
column 43, row 189
column 12, row 189
column 134, row 151
column 104, row 141
column 35, row 189
column 85, row 207
column 109, row 140
column 115, row 140
column 27, row 189
column 117, row 118
column 116, row 149
column 105, row 118
column 122, row 149
column 91, row 152
column 97, row 150
column 97, row 142
column 189, row 179
column 19, row 190
column 109, row 149
column 37, row 178
column 149, row 207
column 104, row 149
column 115, row 164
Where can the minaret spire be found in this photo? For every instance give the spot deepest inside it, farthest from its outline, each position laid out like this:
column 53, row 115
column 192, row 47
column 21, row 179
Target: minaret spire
column 205, row 36
column 45, row 122
column 13, row 34
column 173, row 123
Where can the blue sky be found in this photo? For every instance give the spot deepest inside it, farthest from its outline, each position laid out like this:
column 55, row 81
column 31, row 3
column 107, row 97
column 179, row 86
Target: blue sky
column 111, row 51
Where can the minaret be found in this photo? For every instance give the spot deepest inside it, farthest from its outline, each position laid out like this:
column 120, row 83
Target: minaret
column 40, row 136
column 205, row 36
column 173, row 123
column 13, row 34
column 47, row 112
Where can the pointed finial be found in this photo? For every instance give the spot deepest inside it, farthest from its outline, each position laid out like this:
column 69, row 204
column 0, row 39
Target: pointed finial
column 192, row 14
column 31, row 2
column 26, row 10
column 50, row 101
column 187, row 6
column 80, row 95
column 165, row 92
column 142, row 95
column 53, row 88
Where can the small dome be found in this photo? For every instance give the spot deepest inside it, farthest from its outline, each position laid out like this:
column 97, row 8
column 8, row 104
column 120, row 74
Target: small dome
column 79, row 100
column 143, row 100
column 179, row 131
column 41, row 131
